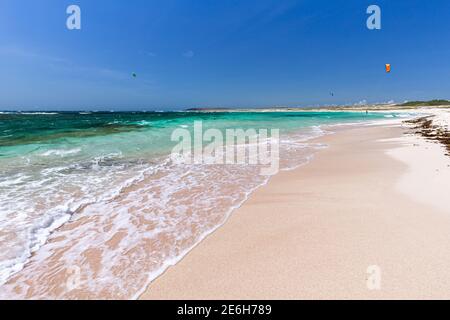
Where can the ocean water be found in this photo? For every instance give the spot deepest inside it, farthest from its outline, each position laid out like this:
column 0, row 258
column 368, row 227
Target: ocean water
column 92, row 206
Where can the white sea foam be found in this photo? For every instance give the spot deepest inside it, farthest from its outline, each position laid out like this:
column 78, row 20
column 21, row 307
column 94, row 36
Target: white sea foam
column 61, row 152
column 44, row 113
column 39, row 113
column 48, row 198
column 121, row 223
column 144, row 123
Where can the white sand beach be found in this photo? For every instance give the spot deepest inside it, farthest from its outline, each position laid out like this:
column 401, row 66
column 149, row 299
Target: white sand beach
column 377, row 197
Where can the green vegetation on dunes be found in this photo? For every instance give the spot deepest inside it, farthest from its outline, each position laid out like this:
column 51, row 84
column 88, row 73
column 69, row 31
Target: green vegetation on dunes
column 436, row 102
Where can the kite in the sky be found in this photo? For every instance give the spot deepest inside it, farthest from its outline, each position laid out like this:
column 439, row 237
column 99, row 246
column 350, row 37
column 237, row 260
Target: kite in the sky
column 134, row 75
column 388, row 67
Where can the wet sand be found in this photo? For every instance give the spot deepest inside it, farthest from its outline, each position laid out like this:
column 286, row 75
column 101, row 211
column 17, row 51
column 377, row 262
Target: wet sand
column 375, row 197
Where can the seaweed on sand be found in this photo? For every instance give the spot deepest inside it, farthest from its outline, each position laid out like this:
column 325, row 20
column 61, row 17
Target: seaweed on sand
column 425, row 127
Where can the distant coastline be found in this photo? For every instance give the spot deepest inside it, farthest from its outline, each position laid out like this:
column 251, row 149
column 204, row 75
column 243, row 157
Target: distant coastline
column 361, row 108
column 409, row 105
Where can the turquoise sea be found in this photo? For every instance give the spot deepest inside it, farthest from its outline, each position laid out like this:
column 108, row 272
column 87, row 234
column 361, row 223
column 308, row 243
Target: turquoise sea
column 95, row 195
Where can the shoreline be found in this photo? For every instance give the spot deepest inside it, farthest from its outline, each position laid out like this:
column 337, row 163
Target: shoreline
column 225, row 266
column 383, row 139
column 47, row 273
column 161, row 271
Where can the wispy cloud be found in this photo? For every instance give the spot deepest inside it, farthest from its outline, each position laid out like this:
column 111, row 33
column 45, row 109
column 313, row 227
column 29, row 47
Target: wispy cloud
column 361, row 103
column 62, row 64
column 148, row 53
column 264, row 14
column 16, row 51
column 188, row 54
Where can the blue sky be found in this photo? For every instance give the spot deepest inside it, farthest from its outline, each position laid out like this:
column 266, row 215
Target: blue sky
column 247, row 53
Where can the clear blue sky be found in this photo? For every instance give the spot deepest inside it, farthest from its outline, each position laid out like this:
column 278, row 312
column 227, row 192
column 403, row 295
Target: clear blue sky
column 220, row 53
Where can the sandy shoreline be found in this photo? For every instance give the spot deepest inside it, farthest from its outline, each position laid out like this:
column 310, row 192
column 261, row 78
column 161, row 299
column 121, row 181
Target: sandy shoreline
column 312, row 233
